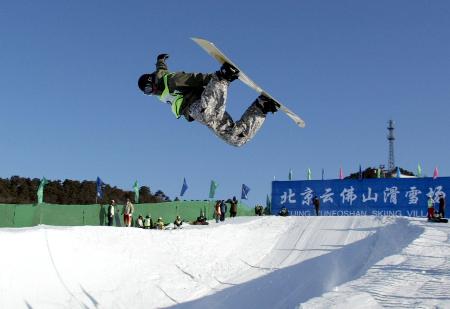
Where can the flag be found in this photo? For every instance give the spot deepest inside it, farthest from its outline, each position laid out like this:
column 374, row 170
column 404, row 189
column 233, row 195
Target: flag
column 291, row 174
column 184, row 187
column 308, row 174
column 323, row 173
column 212, row 189
column 360, row 175
column 419, row 171
column 435, row 173
column 245, row 191
column 341, row 174
column 268, row 201
column 136, row 191
column 399, row 174
column 378, row 172
column 40, row 191
column 100, row 185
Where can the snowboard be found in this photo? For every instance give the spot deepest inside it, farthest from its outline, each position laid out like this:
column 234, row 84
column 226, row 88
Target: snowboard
column 213, row 51
column 440, row 220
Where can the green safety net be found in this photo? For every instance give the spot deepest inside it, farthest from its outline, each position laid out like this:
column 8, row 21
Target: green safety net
column 23, row 215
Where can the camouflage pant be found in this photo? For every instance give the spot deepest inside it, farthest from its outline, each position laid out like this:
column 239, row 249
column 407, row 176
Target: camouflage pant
column 210, row 110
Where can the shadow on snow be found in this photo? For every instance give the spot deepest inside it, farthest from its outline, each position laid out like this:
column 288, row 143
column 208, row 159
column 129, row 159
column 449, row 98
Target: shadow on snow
column 290, row 286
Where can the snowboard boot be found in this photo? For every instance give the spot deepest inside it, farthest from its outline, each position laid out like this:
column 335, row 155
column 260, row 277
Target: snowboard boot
column 227, row 72
column 266, row 104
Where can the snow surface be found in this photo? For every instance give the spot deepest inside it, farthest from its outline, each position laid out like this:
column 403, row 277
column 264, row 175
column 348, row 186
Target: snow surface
column 252, row 262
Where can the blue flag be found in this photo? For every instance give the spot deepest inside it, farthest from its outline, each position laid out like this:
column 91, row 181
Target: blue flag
column 184, row 187
column 100, row 185
column 245, row 191
column 399, row 175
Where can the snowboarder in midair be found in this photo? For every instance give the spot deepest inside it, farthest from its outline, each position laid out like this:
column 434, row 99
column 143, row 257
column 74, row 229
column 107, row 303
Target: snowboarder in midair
column 202, row 97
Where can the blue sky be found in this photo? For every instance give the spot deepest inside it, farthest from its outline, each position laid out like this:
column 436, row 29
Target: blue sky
column 70, row 107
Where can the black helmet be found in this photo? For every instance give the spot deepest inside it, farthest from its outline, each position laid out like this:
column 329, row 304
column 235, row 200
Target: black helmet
column 146, row 83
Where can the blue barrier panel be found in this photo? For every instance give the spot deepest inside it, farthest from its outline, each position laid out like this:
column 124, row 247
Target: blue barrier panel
column 379, row 196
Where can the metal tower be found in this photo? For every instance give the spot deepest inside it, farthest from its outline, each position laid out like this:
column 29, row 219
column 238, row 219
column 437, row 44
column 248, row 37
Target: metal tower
column 391, row 138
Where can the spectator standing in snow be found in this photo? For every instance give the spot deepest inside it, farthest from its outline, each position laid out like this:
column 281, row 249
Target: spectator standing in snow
column 233, row 207
column 316, row 203
column 111, row 211
column 430, row 208
column 128, row 213
column 217, row 211
column 223, row 210
column 441, row 205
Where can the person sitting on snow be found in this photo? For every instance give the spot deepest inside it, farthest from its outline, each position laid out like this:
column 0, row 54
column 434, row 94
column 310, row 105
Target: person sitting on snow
column 201, row 220
column 284, row 212
column 202, row 97
column 148, row 222
column 258, row 210
column 160, row 224
column 140, row 222
column 178, row 222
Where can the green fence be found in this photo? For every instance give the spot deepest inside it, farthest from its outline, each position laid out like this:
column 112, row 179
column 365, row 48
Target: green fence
column 23, row 215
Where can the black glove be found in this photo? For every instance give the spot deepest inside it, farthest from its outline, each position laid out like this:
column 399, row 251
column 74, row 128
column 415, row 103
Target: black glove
column 162, row 57
column 228, row 72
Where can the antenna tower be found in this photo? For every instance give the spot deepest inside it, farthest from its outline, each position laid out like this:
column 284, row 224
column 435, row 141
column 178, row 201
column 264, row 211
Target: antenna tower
column 391, row 139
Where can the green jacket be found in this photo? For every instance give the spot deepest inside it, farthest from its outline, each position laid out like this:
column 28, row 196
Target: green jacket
column 190, row 85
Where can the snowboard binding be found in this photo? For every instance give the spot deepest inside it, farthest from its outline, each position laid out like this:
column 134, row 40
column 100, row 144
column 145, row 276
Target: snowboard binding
column 266, row 104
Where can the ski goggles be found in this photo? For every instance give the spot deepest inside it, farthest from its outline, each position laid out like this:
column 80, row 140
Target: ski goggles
column 148, row 89
column 149, row 86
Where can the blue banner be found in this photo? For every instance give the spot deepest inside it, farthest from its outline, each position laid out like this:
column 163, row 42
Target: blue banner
column 378, row 196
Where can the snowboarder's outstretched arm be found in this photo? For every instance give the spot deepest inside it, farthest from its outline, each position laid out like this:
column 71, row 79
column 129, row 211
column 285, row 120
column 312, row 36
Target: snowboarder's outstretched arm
column 184, row 81
column 180, row 81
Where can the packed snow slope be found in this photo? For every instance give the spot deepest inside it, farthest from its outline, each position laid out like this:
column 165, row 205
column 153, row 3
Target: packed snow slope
column 252, row 262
